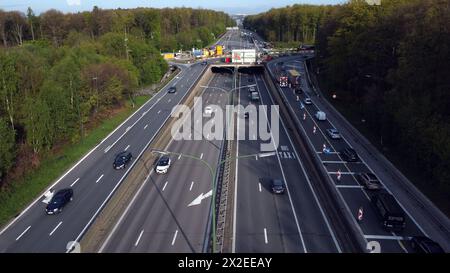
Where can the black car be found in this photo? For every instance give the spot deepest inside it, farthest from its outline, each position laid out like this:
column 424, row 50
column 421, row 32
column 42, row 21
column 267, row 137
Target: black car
column 172, row 89
column 298, row 90
column 59, row 200
column 277, row 186
column 122, row 160
column 389, row 211
column 422, row 244
column 369, row 180
column 349, row 155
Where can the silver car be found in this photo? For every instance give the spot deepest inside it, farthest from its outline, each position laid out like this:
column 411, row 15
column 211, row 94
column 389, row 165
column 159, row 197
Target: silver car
column 369, row 181
column 333, row 133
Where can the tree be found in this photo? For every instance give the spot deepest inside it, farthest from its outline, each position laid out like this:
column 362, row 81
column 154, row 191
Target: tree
column 8, row 85
column 7, row 147
column 38, row 124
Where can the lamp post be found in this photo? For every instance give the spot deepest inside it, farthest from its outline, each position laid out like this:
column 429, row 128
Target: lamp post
column 213, row 173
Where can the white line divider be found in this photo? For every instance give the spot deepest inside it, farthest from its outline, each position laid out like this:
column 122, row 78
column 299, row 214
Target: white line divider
column 120, row 181
column 57, row 226
column 21, row 234
column 386, row 237
column 165, row 184
column 192, row 184
column 308, row 180
column 139, row 238
column 174, row 237
column 349, row 186
column 98, row 179
column 74, row 182
column 82, row 159
column 265, row 236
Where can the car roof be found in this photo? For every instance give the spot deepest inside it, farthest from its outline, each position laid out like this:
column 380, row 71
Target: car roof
column 277, row 182
column 164, row 157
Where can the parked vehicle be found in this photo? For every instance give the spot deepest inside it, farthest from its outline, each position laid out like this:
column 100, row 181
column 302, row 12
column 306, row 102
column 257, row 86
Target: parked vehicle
column 389, row 211
column 254, row 96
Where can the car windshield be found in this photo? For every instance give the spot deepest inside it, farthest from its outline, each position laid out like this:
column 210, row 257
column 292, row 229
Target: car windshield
column 164, row 161
column 277, row 183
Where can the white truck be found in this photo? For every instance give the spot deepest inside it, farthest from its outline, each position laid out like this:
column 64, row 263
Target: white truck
column 320, row 115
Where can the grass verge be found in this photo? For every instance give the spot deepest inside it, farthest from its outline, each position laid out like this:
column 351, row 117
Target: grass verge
column 21, row 192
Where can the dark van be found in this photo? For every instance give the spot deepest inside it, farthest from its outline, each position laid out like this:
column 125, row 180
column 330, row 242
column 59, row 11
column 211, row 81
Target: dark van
column 390, row 212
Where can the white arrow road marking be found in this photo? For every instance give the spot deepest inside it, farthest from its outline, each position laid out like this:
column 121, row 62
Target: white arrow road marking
column 198, row 200
column 23, row 233
column 57, row 226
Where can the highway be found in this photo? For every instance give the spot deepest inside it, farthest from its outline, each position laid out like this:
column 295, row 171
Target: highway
column 93, row 178
column 266, row 222
column 160, row 218
column 350, row 190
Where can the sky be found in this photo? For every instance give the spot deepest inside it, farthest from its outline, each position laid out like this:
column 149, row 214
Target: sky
column 229, row 6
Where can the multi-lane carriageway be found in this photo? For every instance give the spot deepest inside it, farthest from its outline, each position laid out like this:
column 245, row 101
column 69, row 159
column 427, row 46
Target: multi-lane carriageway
column 159, row 218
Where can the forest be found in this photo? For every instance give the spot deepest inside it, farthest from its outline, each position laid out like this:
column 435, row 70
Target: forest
column 60, row 71
column 388, row 64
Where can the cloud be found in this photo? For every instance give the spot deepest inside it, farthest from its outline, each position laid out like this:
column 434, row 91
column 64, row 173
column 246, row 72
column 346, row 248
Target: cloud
column 73, row 2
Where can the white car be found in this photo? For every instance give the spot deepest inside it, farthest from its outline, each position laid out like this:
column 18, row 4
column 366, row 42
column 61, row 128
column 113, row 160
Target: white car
column 307, row 101
column 163, row 165
column 208, row 111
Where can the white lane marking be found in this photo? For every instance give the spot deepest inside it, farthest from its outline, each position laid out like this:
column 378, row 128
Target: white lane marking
column 165, row 184
column 192, row 184
column 74, row 182
column 284, row 176
column 334, row 162
column 57, row 226
column 174, row 237
column 265, row 236
column 169, row 100
column 201, row 155
column 82, row 159
column 179, row 157
column 350, row 173
column 349, row 186
column 98, row 179
column 233, row 245
column 159, row 111
column 321, row 152
column 108, row 238
column 386, row 237
column 139, row 238
column 126, row 148
column 259, row 184
column 128, row 128
column 145, row 127
column 21, row 234
column 107, row 149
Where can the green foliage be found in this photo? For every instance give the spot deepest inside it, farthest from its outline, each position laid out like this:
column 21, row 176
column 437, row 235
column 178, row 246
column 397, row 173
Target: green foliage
column 7, row 146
